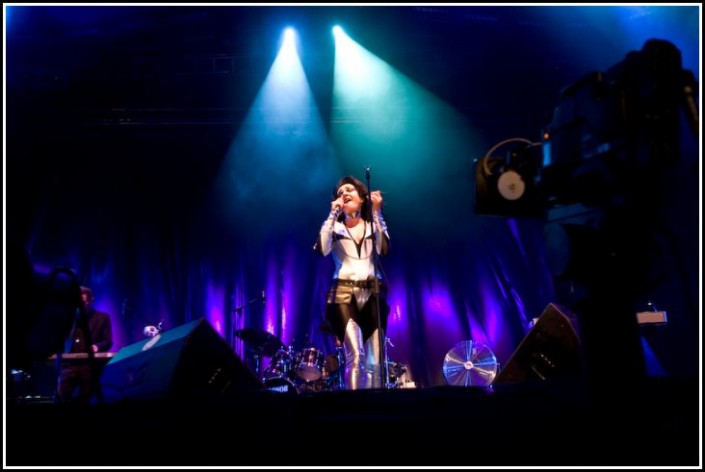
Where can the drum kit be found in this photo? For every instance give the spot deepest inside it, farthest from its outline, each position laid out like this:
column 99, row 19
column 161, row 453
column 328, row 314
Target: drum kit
column 306, row 370
column 292, row 371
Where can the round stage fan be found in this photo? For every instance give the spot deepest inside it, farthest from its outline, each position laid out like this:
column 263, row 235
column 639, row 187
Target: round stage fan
column 469, row 364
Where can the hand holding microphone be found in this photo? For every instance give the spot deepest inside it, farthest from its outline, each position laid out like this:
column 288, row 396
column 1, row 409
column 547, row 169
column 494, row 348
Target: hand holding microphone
column 337, row 205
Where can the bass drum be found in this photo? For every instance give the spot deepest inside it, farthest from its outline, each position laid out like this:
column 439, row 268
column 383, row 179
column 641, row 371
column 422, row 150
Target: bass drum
column 281, row 385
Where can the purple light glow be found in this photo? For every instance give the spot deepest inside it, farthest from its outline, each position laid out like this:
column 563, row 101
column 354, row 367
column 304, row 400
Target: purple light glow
column 289, row 293
column 496, row 331
column 271, row 315
column 399, row 325
column 442, row 327
column 215, row 311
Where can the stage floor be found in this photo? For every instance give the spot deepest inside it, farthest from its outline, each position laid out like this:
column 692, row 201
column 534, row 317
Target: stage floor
column 557, row 422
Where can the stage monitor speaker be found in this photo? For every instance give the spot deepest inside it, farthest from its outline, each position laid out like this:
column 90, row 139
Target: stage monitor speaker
column 550, row 349
column 191, row 360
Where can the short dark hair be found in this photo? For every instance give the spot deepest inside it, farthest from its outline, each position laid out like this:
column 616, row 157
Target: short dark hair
column 88, row 292
column 361, row 190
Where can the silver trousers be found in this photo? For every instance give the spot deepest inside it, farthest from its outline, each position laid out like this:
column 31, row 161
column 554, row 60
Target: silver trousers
column 362, row 358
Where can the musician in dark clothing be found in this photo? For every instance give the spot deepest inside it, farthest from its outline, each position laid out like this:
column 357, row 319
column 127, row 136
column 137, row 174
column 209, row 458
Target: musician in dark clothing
column 79, row 381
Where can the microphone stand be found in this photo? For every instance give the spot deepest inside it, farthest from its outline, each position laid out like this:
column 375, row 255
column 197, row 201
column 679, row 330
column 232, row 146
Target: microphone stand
column 384, row 377
column 237, row 311
column 82, row 322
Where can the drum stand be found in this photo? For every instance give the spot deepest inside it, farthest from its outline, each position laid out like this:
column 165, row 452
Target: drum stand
column 233, row 332
column 257, row 365
column 340, row 373
column 387, row 377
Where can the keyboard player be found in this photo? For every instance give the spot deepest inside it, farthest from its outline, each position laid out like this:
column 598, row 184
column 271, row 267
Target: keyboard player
column 79, row 381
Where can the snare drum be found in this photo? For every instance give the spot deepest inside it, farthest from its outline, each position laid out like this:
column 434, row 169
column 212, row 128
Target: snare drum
column 309, row 365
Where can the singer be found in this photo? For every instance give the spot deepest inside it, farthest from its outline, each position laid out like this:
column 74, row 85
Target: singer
column 351, row 303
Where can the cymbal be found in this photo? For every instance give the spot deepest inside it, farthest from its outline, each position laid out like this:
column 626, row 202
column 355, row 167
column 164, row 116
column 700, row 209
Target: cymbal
column 264, row 341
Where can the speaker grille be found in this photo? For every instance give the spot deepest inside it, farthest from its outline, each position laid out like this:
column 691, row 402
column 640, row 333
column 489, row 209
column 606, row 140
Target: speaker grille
column 550, row 349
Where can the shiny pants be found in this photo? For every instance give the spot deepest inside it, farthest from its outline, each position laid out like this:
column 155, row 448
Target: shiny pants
column 356, row 324
column 362, row 360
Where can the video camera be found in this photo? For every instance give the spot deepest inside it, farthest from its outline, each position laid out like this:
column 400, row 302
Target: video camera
column 607, row 126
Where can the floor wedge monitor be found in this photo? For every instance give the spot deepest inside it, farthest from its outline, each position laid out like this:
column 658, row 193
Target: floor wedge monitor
column 550, row 349
column 191, row 360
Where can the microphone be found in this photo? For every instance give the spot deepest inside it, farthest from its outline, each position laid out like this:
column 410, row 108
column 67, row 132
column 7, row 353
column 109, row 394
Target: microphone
column 367, row 172
column 264, row 298
column 337, row 209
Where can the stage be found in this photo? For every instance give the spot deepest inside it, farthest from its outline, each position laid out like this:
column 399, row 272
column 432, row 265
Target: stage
column 556, row 422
